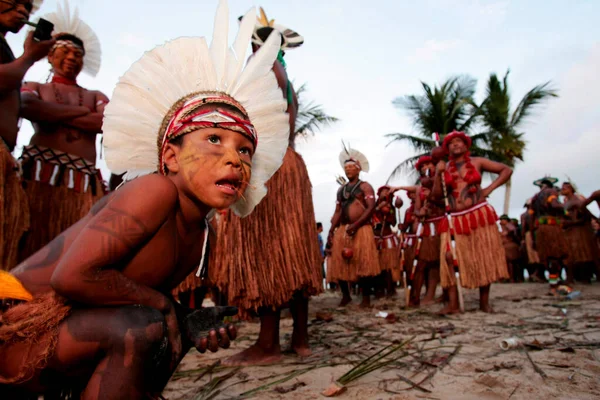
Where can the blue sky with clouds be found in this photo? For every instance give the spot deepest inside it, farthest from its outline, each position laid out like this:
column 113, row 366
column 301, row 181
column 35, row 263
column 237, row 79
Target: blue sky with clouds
column 358, row 56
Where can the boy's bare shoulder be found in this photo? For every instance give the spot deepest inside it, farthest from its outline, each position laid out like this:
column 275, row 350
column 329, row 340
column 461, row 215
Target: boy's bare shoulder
column 146, row 193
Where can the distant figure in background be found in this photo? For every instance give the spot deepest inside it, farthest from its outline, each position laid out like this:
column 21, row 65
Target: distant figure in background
column 511, row 243
column 351, row 241
column 583, row 251
column 321, row 247
column 549, row 238
column 388, row 244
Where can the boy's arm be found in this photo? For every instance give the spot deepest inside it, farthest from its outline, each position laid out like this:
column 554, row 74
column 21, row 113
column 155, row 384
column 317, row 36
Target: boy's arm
column 86, row 272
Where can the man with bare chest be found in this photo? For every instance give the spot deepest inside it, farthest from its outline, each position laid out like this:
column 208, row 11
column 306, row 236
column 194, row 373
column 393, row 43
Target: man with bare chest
column 14, row 214
column 351, row 241
column 61, row 180
column 91, row 314
column 388, row 244
column 479, row 251
column 583, row 251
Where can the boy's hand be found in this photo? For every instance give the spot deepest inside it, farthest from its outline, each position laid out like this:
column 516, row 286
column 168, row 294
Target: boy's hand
column 205, row 328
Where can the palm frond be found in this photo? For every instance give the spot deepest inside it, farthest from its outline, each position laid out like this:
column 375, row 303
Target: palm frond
column 406, row 167
column 534, row 97
column 418, row 143
column 311, row 117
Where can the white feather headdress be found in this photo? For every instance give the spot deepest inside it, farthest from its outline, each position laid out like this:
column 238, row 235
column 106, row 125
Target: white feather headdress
column 65, row 22
column 290, row 38
column 349, row 154
column 188, row 66
column 36, row 5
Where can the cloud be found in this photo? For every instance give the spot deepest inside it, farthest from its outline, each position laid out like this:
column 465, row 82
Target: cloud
column 432, row 49
column 131, row 40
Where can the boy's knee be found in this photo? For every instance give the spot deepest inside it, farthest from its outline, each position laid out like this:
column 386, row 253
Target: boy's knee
column 145, row 325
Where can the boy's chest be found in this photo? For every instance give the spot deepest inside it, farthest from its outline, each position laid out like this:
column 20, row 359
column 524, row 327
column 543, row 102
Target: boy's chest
column 168, row 258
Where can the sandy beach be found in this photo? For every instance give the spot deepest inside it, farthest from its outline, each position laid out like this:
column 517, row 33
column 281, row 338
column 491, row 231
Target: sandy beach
column 433, row 357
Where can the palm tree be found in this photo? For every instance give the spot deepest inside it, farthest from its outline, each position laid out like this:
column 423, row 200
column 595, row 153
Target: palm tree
column 311, row 117
column 440, row 109
column 503, row 127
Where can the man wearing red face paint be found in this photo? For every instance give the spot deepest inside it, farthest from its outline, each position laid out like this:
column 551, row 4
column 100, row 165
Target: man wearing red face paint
column 479, row 250
column 90, row 315
column 61, row 180
column 14, row 214
column 351, row 241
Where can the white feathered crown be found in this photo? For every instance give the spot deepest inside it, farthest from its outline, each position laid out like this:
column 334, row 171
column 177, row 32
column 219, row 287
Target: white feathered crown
column 356, row 156
column 65, row 22
column 187, row 68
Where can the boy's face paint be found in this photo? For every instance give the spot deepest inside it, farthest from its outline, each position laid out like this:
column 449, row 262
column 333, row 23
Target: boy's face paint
column 216, row 166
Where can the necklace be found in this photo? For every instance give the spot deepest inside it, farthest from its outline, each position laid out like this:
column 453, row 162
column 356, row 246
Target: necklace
column 348, row 193
column 72, row 134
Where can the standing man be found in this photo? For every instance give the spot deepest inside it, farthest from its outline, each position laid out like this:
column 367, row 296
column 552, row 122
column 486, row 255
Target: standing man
column 351, row 240
column 583, row 250
column 512, row 248
column 479, row 250
column 388, row 244
column 321, row 248
column 534, row 267
column 14, row 211
column 549, row 239
column 276, row 260
column 61, row 180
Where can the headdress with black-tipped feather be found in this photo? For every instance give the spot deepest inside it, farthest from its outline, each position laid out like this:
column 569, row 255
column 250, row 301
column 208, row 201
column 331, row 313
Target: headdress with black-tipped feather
column 350, row 155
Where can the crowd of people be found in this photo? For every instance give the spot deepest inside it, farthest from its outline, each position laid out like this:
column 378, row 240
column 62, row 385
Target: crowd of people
column 449, row 230
column 101, row 288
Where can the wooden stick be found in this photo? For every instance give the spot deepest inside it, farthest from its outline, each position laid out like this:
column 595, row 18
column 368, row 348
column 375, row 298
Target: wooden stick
column 535, row 366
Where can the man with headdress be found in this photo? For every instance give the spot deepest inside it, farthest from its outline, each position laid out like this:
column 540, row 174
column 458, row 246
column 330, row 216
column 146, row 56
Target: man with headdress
column 479, row 252
column 577, row 225
column 95, row 313
column 430, row 212
column 276, row 261
column 388, row 245
column 549, row 239
column 351, row 240
column 14, row 214
column 59, row 173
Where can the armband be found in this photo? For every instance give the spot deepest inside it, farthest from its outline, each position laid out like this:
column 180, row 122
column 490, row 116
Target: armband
column 27, row 90
column 369, row 197
column 101, row 103
column 551, row 198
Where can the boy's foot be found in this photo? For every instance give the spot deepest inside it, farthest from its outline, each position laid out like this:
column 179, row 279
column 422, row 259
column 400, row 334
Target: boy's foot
column 254, row 355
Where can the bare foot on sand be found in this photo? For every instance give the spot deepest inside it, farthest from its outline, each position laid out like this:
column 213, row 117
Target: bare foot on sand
column 427, row 302
column 365, row 303
column 448, row 311
column 300, row 345
column 254, row 355
column 345, row 301
column 486, row 309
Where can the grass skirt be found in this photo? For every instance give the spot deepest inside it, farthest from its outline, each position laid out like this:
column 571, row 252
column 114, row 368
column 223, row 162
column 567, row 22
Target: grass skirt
column 430, row 249
column 263, row 259
column 365, row 261
column 32, row 328
column 582, row 244
column 550, row 242
column 59, row 195
column 389, row 252
column 532, row 255
column 14, row 210
column 481, row 257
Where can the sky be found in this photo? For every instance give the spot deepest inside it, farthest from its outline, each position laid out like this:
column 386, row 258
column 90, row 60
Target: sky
column 359, row 56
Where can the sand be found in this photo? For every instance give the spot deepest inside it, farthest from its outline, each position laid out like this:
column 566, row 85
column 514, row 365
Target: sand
column 454, row 357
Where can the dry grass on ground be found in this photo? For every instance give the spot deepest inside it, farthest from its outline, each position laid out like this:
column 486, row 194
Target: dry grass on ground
column 456, row 357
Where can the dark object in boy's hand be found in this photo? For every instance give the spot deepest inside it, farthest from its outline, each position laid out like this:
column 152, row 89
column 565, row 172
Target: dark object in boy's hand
column 206, row 330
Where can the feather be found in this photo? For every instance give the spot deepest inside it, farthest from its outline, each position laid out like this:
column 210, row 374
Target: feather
column 219, row 44
column 242, row 41
column 261, row 63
